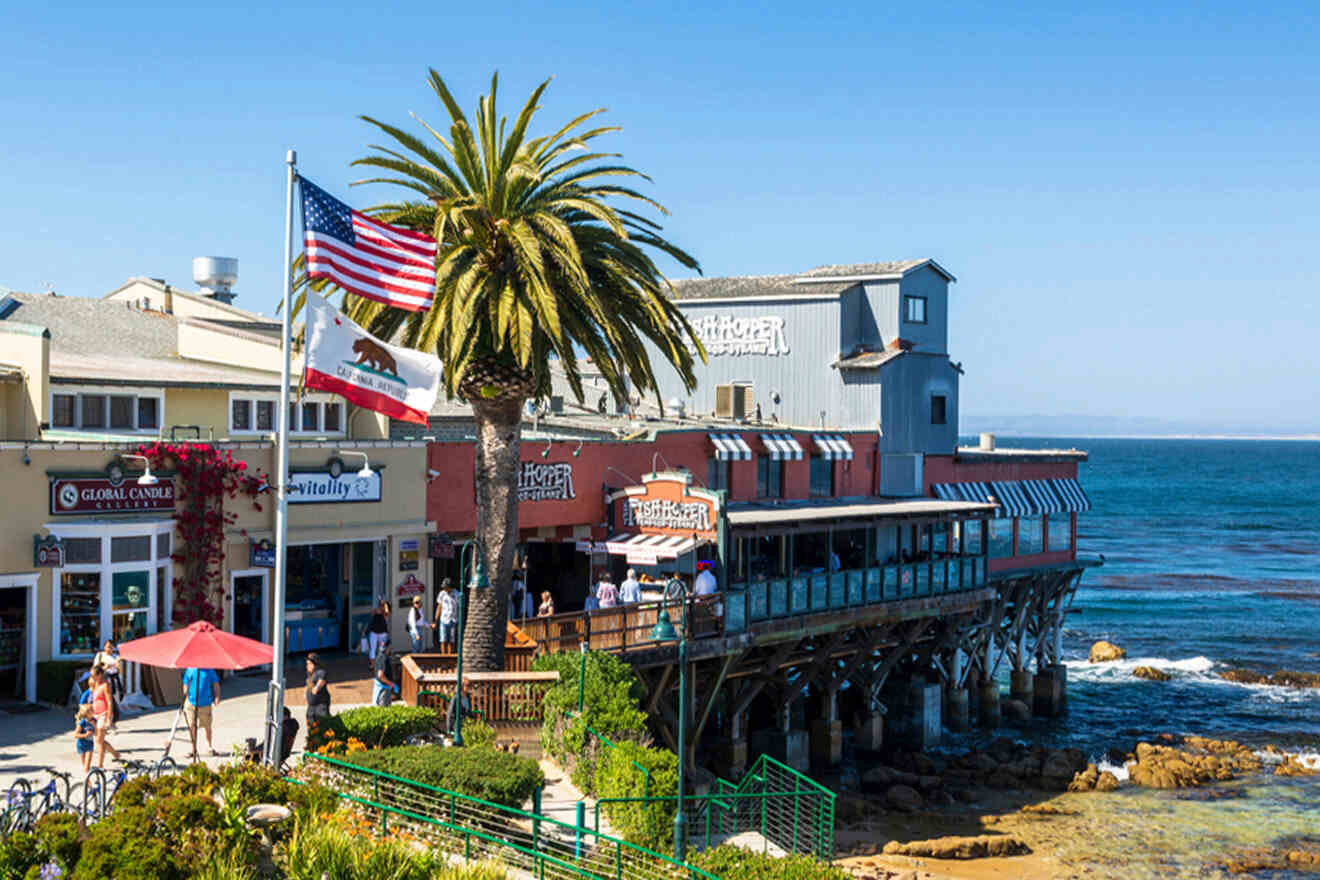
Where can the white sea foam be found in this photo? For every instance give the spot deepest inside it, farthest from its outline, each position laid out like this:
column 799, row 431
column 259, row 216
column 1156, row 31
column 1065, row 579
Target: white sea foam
column 1191, row 667
column 1119, row 770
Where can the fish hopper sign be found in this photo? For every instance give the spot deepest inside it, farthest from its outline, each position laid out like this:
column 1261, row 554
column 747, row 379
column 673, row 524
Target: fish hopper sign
column 663, row 518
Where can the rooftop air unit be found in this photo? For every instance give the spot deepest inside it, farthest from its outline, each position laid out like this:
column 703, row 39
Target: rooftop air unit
column 216, row 277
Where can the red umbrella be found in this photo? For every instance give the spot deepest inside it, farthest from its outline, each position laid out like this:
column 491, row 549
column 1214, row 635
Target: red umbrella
column 199, row 644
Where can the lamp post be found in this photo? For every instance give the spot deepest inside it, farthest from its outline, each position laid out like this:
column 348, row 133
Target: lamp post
column 479, row 581
column 661, row 632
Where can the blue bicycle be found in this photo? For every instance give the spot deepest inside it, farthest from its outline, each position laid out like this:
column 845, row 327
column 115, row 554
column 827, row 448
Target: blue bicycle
column 100, row 789
column 24, row 806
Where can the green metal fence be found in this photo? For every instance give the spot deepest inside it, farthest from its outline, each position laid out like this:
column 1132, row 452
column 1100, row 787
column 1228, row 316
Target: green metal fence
column 787, row 808
column 476, row 829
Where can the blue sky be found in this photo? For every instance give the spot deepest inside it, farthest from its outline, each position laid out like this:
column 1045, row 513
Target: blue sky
column 1129, row 196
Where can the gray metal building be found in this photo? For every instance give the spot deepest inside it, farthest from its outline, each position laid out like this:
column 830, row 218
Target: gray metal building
column 862, row 347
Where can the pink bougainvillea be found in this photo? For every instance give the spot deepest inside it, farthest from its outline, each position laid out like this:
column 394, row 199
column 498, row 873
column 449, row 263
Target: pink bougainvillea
column 204, row 478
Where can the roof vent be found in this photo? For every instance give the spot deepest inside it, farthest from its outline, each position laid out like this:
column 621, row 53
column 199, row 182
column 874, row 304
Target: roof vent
column 216, row 276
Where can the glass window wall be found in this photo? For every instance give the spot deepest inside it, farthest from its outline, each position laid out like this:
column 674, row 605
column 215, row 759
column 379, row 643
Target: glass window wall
column 1031, row 535
column 1060, row 531
column 1000, row 538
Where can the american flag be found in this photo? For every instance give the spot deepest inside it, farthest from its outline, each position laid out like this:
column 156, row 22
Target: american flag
column 389, row 264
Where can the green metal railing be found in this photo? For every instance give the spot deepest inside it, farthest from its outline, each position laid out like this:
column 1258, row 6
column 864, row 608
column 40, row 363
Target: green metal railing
column 476, row 829
column 787, row 808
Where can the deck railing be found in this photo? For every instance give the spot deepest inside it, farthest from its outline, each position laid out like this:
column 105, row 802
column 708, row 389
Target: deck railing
column 500, row 697
column 623, row 627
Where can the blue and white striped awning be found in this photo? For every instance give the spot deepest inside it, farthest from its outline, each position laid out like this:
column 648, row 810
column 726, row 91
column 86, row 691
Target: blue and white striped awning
column 833, row 447
column 1021, row 497
column 731, row 447
column 782, row 447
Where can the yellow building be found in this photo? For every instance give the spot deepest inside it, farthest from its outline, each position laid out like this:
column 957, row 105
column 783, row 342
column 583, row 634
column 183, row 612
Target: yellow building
column 85, row 383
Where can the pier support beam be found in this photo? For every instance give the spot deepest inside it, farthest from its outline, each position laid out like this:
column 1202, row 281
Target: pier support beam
column 737, row 748
column 827, row 732
column 1022, row 686
column 786, row 743
column 869, row 732
column 914, row 712
column 1051, row 691
column 957, row 713
column 988, row 693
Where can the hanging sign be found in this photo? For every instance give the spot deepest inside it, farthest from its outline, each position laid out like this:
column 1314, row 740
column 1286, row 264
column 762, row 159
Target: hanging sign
column 667, row 504
column 323, row 487
column 408, row 555
column 545, row 481
column 261, row 554
column 440, row 546
column 411, row 586
column 731, row 335
column 47, row 552
column 82, row 495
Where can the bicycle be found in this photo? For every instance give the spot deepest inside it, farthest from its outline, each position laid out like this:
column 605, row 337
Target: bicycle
column 97, row 798
column 21, row 814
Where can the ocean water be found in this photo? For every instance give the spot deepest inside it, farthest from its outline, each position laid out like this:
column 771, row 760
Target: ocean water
column 1212, row 561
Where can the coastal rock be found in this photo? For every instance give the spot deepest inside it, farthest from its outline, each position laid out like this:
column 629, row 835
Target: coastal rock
column 1107, row 782
column 1151, row 673
column 959, row 847
column 1281, row 678
column 1085, row 780
column 1197, row 761
column 1104, row 652
column 1014, row 710
column 1253, row 861
column 1003, row 749
column 877, row 779
column 904, row 798
column 1290, row 766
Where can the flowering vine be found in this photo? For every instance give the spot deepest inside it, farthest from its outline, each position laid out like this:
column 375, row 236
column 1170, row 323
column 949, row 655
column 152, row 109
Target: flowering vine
column 204, row 478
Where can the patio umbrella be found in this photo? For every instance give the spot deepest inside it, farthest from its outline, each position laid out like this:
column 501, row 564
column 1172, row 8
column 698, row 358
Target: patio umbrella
column 198, row 645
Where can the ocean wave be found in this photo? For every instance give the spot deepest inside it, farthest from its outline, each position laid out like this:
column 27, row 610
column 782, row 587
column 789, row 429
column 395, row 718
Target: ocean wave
column 1279, row 587
column 1120, row 771
column 1119, row 669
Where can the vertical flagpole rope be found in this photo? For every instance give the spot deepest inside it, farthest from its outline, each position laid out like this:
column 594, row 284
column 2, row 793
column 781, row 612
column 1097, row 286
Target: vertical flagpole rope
column 275, row 697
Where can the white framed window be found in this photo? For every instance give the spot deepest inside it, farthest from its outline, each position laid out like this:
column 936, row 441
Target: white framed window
column 914, row 309
column 256, row 413
column 118, row 410
column 116, row 585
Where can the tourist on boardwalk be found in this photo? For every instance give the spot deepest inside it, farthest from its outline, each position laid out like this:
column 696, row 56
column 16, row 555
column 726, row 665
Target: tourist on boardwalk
column 201, row 692
column 102, row 703
column 378, row 630
column 461, row 703
column 630, row 591
column 383, row 690
column 606, row 593
column 84, row 732
column 446, row 615
column 705, row 584
column 318, row 692
column 417, row 625
column 547, row 608
column 592, row 603
column 108, row 659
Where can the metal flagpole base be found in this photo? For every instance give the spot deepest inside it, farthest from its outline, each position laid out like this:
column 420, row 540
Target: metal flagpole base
column 274, row 726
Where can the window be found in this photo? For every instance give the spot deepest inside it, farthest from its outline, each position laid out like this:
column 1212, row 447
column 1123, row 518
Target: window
column 717, row 474
column 1001, row 537
column 240, row 415
column 970, row 533
column 80, row 612
column 62, row 411
column 148, row 409
column 769, row 477
column 115, row 585
column 1060, row 531
column 822, row 477
column 93, row 411
column 939, row 405
column 134, row 549
column 311, row 417
column 265, row 415
column 914, row 309
column 1031, row 535
column 121, row 412
column 332, row 422
column 126, row 411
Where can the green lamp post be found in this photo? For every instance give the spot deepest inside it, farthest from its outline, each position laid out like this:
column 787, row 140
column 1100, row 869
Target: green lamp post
column 478, row 581
column 663, row 631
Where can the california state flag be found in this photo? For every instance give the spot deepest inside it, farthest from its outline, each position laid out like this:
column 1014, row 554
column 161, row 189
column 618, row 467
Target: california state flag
column 345, row 359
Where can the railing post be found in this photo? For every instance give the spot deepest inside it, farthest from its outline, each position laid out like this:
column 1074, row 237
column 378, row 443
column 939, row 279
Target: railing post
column 577, row 834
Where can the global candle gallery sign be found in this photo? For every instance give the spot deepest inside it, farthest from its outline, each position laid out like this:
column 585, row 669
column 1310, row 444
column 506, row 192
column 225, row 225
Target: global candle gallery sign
column 114, row 493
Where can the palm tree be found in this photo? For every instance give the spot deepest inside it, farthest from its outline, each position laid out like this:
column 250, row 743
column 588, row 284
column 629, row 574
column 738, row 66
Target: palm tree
column 536, row 263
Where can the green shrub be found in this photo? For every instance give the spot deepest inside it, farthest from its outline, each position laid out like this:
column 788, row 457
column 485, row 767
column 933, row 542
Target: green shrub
column 60, row 839
column 321, row 732
column 612, row 695
column 249, row 784
column 55, row 679
column 318, row 851
column 734, row 863
column 477, row 771
column 126, row 846
column 648, row 825
column 380, row 727
column 477, row 733
column 19, row 852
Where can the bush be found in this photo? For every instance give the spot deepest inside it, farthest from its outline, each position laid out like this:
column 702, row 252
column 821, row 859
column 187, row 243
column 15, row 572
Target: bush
column 60, row 839
column 379, row 727
column 55, row 679
column 734, row 863
column 648, row 825
column 476, row 771
column 19, row 852
column 127, row 846
column 477, row 733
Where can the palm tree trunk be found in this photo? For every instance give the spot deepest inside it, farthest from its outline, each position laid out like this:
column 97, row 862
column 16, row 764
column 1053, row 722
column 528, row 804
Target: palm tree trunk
column 498, row 424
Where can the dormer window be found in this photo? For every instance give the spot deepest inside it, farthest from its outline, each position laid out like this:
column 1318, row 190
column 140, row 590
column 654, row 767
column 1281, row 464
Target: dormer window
column 914, row 309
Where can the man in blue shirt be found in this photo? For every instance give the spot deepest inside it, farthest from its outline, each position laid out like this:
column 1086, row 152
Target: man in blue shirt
column 201, row 691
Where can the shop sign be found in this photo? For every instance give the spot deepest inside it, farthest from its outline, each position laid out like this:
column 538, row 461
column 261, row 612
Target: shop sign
column 261, row 554
column 440, row 546
column 408, row 554
column 323, row 487
column 81, row 495
column 667, row 504
column 589, row 547
column 733, row 335
column 47, row 552
column 411, row 586
column 545, row 481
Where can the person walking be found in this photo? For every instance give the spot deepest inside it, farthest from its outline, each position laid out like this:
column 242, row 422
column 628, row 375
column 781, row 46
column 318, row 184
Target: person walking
column 378, row 630
column 318, row 691
column 102, row 703
column 108, row 659
column 201, row 689
column 84, row 733
column 383, row 690
column 417, row 625
column 630, row 591
column 606, row 593
column 446, row 615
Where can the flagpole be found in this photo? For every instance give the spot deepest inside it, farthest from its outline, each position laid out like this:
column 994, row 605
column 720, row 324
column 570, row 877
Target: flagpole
column 275, row 695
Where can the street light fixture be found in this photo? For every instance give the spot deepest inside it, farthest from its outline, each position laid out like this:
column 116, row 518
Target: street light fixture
column 478, row 581
column 663, row 631
column 147, row 478
column 366, row 472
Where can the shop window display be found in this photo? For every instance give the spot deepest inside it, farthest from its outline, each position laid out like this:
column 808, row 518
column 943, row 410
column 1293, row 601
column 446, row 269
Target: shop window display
column 80, row 612
column 130, row 598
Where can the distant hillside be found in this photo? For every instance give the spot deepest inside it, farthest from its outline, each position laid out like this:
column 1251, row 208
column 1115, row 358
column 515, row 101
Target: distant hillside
column 1075, row 425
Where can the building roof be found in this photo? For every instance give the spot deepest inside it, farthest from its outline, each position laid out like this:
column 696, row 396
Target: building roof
column 869, row 360
column 822, row 281
column 757, row 514
column 976, row 453
column 242, row 316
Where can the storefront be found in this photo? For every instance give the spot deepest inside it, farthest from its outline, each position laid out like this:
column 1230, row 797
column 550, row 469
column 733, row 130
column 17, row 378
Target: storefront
column 665, row 527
